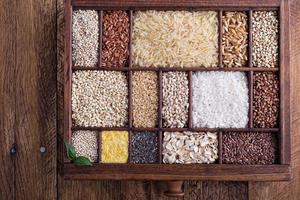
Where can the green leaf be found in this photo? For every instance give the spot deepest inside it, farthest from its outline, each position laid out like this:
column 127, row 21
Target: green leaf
column 82, row 161
column 71, row 154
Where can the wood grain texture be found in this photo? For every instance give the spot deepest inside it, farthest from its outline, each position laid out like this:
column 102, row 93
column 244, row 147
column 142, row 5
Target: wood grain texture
column 174, row 3
column 36, row 99
column 33, row 45
column 7, row 96
column 195, row 172
column 216, row 190
column 288, row 190
column 112, row 189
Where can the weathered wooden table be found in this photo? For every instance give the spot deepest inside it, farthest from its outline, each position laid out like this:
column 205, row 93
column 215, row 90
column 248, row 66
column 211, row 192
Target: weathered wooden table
column 31, row 64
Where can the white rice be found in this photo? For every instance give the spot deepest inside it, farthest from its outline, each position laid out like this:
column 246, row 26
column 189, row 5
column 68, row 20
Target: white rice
column 220, row 100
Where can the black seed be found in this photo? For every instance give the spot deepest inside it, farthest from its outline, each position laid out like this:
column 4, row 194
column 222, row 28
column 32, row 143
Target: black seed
column 144, row 147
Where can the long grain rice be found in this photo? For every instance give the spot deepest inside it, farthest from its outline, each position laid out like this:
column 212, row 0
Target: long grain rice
column 175, row 39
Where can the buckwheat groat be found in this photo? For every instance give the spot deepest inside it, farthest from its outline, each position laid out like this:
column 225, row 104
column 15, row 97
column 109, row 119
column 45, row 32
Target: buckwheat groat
column 266, row 100
column 249, row 148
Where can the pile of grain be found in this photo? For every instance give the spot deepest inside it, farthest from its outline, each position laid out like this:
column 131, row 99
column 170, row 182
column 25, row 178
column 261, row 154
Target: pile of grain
column 144, row 147
column 175, row 99
column 99, row 98
column 175, row 39
column 220, row 100
column 266, row 100
column 235, row 39
column 145, row 99
column 265, row 39
column 115, row 50
column 248, row 148
column 114, row 146
column 86, row 144
column 190, row 147
column 85, row 33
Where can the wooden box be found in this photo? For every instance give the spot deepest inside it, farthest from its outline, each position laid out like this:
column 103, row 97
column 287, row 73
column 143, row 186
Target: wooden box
column 218, row 171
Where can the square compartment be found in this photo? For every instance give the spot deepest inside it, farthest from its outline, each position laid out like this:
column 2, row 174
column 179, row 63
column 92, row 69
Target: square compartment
column 144, row 147
column 220, row 100
column 114, row 146
column 86, row 144
column 249, row 148
column 190, row 147
column 99, row 98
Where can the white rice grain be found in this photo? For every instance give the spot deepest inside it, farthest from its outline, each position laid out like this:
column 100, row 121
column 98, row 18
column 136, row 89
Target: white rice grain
column 220, row 99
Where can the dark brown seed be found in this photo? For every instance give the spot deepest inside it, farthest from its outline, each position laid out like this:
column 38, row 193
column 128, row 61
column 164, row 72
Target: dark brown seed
column 249, row 148
column 266, row 100
column 115, row 50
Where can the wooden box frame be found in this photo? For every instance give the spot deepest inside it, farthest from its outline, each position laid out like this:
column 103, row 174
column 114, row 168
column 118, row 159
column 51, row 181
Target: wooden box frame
column 218, row 171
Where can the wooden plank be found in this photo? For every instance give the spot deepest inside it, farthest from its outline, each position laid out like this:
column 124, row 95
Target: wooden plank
column 36, row 100
column 179, row 172
column 284, row 74
column 132, row 190
column 78, row 190
column 7, row 96
column 216, row 190
column 288, row 190
column 175, row 3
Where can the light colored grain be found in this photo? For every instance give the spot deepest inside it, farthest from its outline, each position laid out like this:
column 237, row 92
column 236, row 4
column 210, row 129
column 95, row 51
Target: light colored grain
column 220, row 100
column 235, row 39
column 85, row 37
column 175, row 99
column 175, row 39
column 85, row 143
column 145, row 99
column 190, row 147
column 265, row 39
column 99, row 98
